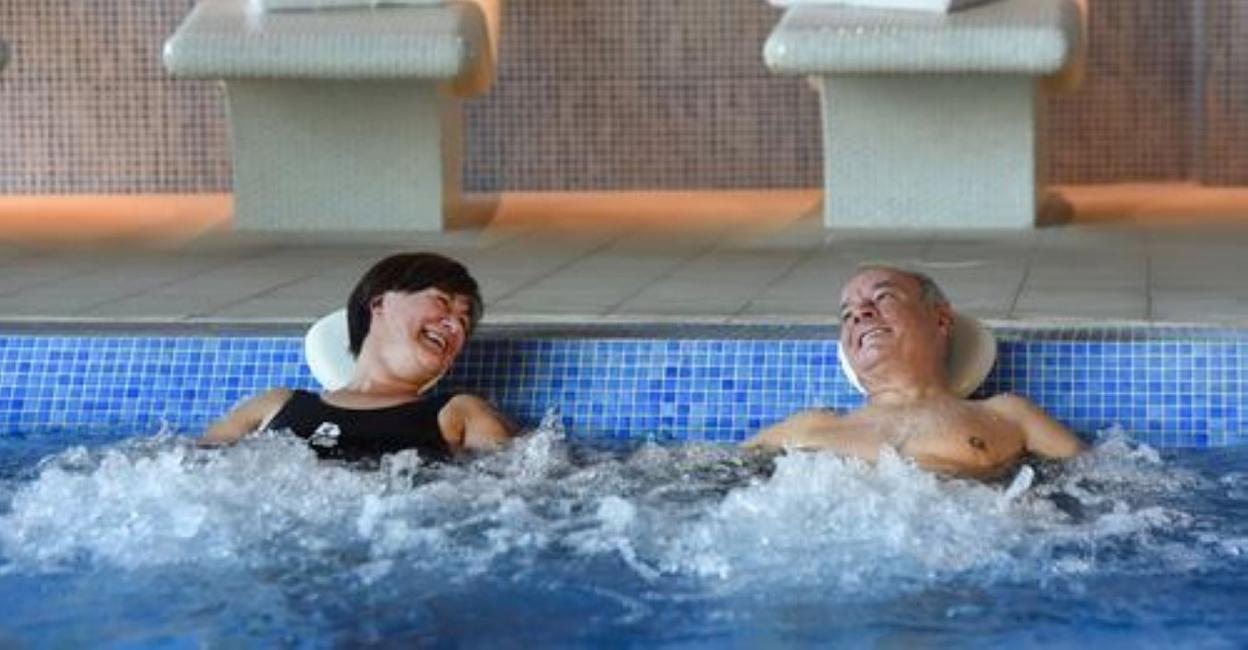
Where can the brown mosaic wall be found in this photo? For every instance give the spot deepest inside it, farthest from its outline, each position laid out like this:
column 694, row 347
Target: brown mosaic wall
column 608, row 94
column 642, row 94
column 86, row 107
column 1132, row 118
column 1224, row 97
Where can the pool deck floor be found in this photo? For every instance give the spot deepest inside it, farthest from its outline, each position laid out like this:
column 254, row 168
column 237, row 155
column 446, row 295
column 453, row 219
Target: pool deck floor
column 765, row 267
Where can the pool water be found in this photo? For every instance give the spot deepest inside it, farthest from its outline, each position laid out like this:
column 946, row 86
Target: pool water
column 152, row 541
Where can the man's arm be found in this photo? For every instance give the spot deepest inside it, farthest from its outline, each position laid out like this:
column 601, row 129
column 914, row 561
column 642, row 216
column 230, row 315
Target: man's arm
column 815, row 429
column 245, row 418
column 469, row 422
column 1044, row 436
column 787, row 433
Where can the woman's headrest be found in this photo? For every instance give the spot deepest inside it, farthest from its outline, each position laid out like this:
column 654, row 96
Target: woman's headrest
column 327, row 349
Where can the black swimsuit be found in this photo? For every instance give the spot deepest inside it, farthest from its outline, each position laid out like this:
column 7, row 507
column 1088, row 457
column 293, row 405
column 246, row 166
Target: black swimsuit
column 355, row 434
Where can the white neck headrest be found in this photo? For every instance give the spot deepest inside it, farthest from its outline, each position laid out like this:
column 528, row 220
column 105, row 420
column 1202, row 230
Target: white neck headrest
column 327, row 347
column 972, row 351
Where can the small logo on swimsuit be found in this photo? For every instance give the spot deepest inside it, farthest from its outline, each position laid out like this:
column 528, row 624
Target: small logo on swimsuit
column 325, row 435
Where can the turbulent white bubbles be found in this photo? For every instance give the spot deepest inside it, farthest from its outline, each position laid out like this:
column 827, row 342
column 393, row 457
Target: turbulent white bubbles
column 841, row 524
column 730, row 521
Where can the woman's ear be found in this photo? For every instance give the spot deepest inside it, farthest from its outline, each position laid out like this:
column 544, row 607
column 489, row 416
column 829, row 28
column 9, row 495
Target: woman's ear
column 374, row 305
column 944, row 320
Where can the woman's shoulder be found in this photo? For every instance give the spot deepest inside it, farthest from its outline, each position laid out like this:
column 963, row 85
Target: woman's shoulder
column 462, row 406
column 462, row 400
column 254, row 413
column 277, row 396
column 268, row 404
column 472, row 422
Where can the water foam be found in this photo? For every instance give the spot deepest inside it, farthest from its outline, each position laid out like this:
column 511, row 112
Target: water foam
column 729, row 521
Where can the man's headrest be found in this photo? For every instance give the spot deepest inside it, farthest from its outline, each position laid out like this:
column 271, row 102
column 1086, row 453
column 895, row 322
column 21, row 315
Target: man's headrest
column 327, row 350
column 972, row 351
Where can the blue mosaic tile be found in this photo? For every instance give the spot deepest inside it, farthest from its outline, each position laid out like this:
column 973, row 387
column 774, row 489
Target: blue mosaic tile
column 1167, row 388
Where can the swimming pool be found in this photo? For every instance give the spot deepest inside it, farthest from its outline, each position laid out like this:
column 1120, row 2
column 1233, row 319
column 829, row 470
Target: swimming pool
column 151, row 541
column 597, row 528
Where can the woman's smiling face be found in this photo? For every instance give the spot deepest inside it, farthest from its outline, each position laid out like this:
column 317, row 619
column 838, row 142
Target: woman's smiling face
column 420, row 334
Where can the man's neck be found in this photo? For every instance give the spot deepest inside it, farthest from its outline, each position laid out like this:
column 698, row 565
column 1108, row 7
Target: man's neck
column 907, row 388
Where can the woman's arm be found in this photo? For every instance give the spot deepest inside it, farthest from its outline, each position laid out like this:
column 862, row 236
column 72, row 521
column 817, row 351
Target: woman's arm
column 469, row 422
column 245, row 418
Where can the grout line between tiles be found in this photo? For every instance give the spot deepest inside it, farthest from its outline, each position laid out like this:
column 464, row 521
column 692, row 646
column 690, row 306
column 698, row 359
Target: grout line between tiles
column 1022, row 282
column 793, row 266
column 160, row 285
column 611, row 310
column 593, row 250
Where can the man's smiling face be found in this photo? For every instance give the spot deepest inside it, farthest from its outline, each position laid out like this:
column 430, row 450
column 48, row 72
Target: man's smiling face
column 885, row 320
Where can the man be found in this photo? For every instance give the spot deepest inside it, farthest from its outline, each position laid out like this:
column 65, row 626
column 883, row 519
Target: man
column 895, row 334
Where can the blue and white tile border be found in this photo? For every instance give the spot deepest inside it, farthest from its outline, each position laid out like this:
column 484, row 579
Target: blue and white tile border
column 1167, row 386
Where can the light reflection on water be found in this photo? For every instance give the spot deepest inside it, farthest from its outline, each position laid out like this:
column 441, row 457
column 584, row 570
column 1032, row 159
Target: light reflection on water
column 153, row 539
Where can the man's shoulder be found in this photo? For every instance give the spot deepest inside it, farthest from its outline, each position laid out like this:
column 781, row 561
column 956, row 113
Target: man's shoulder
column 1013, row 407
column 1046, row 437
column 1006, row 401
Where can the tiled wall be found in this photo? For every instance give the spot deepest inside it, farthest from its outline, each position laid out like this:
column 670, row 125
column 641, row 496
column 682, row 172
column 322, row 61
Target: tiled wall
column 1167, row 387
column 608, row 94
column 86, row 106
column 1224, row 96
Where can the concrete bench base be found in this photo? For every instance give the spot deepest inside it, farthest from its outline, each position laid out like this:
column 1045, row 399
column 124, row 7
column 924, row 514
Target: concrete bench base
column 929, row 120
column 343, row 155
column 341, row 120
column 926, row 152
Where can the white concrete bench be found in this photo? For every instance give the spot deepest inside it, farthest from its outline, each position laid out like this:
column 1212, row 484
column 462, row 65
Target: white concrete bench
column 929, row 120
column 340, row 119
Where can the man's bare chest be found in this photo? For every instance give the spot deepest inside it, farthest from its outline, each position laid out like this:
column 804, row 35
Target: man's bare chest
column 954, row 435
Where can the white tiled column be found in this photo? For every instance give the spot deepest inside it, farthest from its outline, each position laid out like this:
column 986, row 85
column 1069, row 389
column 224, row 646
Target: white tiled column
column 343, row 155
column 928, row 151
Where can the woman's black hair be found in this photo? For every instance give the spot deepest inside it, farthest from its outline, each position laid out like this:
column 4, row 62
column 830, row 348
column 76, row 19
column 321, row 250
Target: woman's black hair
column 408, row 273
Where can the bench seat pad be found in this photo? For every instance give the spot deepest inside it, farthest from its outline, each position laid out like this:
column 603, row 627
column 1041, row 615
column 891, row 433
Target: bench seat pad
column 226, row 39
column 1025, row 37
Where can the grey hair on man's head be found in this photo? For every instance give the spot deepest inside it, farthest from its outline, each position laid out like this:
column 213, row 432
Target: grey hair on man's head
column 931, row 292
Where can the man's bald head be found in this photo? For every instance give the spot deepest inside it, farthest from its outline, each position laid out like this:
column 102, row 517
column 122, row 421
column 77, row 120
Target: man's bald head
column 932, row 293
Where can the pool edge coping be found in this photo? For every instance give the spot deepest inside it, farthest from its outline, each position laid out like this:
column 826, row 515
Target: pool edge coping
column 596, row 326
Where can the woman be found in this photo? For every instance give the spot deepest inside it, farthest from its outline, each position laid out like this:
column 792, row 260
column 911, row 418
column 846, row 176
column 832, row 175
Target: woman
column 408, row 319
